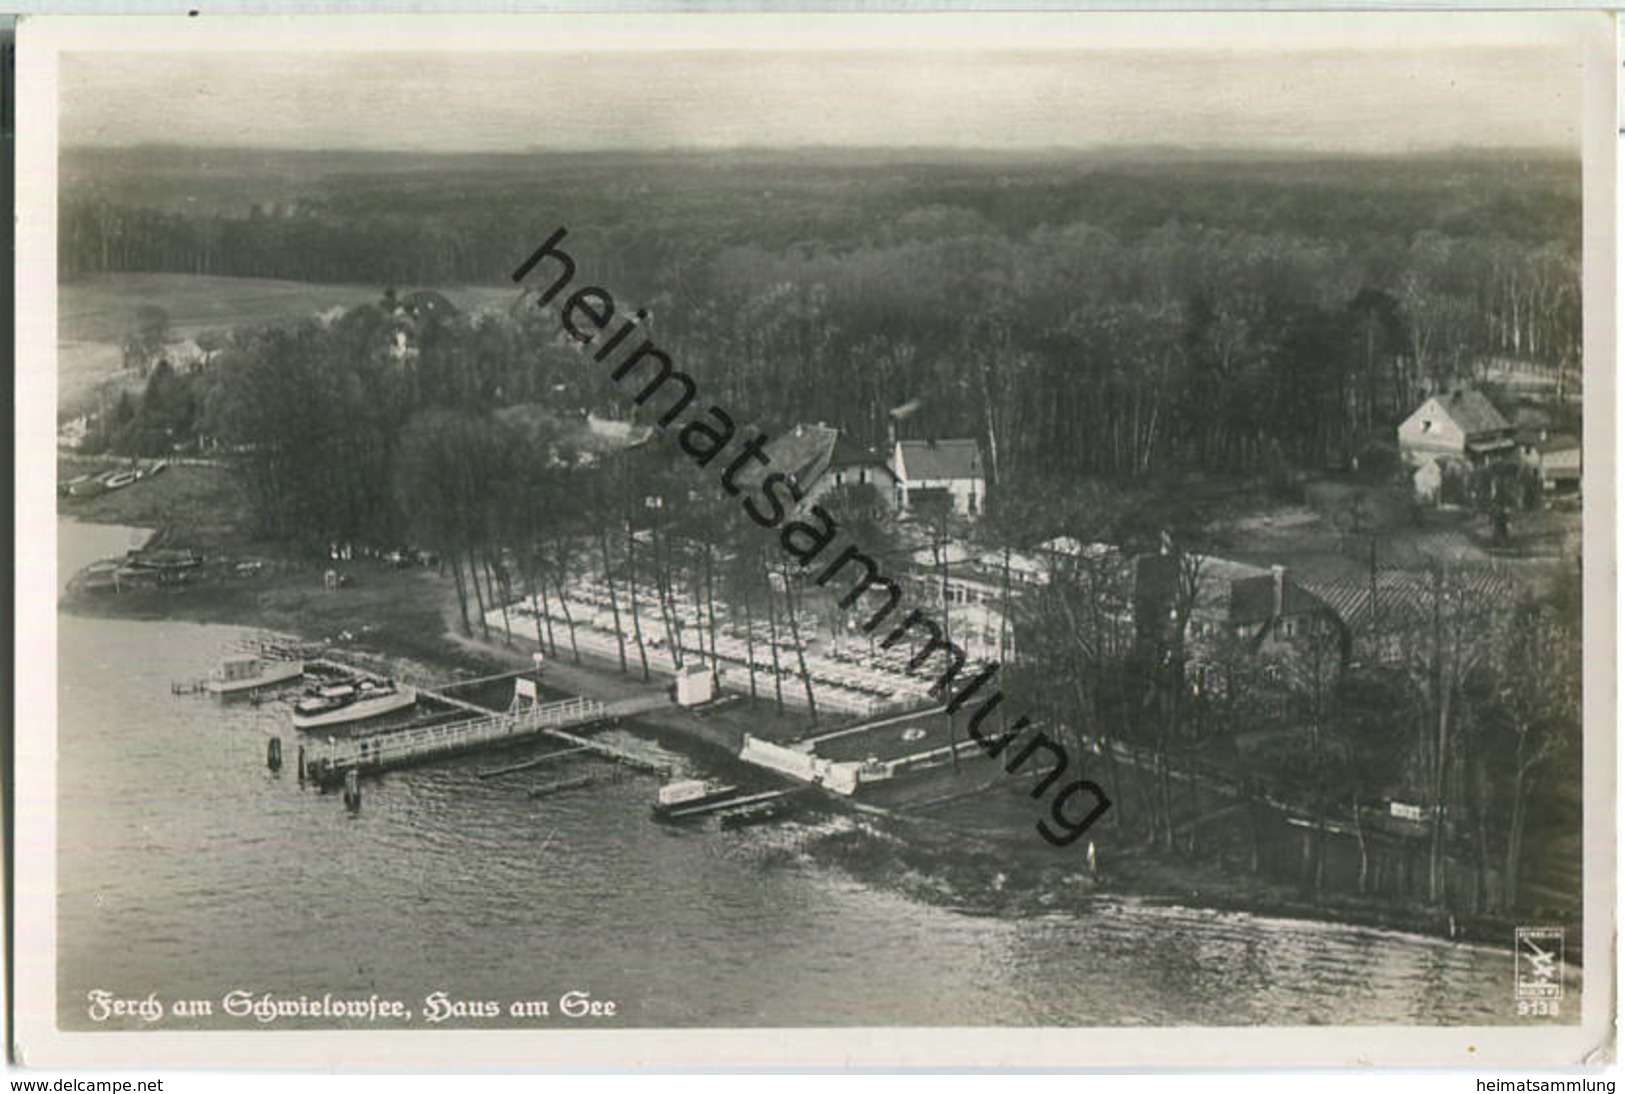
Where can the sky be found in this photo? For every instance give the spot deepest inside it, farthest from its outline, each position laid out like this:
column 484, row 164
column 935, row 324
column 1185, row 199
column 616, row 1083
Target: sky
column 1322, row 90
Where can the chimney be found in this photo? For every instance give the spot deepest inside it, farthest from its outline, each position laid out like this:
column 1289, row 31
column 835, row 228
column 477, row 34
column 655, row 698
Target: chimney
column 1279, row 572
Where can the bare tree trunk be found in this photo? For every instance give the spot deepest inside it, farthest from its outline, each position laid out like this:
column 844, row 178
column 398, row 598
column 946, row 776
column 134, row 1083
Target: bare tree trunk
column 1515, row 823
column 540, row 587
column 1484, row 898
column 479, row 601
column 507, row 627
column 750, row 644
column 538, row 608
column 1196, row 808
column 702, row 628
column 1365, row 851
column 711, row 610
column 795, row 637
column 1320, row 850
column 462, row 595
column 1436, row 844
column 632, row 594
column 569, row 616
column 668, row 604
column 614, row 603
column 773, row 639
column 1256, row 837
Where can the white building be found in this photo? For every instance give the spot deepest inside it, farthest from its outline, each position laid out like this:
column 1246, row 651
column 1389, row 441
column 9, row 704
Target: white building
column 1462, row 424
column 951, row 469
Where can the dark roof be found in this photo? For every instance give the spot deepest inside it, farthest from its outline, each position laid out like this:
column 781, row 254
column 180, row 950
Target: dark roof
column 849, row 453
column 957, row 459
column 1252, row 599
column 1544, row 441
column 802, row 453
column 1405, row 599
column 1472, row 411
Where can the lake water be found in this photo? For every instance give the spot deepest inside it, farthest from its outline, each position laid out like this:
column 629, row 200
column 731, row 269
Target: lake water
column 187, row 869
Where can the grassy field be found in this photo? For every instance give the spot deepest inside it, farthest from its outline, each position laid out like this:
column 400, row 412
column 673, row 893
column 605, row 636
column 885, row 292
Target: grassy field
column 1319, row 538
column 95, row 314
column 88, row 372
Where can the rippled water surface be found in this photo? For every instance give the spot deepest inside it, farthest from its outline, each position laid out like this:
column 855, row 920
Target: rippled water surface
column 188, row 869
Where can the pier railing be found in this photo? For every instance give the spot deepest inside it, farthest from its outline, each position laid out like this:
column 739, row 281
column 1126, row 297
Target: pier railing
column 417, row 743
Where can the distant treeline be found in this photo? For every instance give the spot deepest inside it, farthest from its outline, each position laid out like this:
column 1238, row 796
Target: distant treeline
column 437, row 219
column 1121, row 321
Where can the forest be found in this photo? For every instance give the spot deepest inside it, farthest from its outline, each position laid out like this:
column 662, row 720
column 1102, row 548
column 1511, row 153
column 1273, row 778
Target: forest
column 1119, row 320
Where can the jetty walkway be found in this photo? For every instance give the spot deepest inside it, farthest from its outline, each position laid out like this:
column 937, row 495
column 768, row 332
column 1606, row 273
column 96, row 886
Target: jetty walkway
column 330, row 763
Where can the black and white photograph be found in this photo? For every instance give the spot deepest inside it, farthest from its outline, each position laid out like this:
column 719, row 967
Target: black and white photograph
column 802, row 539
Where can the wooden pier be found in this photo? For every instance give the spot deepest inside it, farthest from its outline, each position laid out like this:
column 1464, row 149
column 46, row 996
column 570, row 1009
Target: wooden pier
column 328, row 765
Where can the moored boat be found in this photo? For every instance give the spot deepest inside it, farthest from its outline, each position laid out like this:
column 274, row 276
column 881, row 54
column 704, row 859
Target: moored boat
column 249, row 673
column 166, row 558
column 760, row 812
column 351, row 701
column 685, row 794
column 86, row 487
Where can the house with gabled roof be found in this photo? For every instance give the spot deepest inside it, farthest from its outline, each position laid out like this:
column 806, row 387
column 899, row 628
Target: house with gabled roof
column 851, row 464
column 1461, row 424
column 1263, row 614
column 819, row 458
column 803, row 453
column 949, row 469
column 1556, row 456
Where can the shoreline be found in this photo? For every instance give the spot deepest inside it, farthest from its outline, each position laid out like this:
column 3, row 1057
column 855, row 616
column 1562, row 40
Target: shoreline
column 411, row 624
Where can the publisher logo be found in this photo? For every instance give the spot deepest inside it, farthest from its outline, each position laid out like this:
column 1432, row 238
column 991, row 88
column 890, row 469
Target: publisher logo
column 1540, row 962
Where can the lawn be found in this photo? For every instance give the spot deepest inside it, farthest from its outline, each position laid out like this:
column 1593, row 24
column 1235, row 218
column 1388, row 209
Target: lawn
column 94, row 314
column 206, row 506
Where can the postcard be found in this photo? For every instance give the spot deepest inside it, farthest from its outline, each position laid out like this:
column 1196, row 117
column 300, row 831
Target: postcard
column 1068, row 540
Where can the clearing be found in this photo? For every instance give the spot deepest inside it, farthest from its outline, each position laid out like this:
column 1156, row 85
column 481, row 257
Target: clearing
column 94, row 314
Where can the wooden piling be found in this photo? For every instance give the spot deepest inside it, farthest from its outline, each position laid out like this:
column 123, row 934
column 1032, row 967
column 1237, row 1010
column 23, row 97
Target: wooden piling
column 534, row 761
column 299, row 763
column 560, row 785
column 273, row 754
column 352, row 791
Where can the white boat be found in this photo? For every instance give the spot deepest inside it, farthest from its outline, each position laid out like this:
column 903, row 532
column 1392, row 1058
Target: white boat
column 351, row 701
column 248, row 672
column 689, row 793
column 121, row 480
column 83, row 487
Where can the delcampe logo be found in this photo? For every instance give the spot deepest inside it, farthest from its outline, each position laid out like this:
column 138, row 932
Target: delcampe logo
column 1540, row 962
